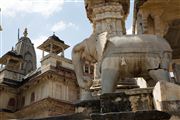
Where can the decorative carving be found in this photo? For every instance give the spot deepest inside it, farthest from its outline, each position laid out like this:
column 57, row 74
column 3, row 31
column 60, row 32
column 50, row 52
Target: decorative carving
column 134, row 102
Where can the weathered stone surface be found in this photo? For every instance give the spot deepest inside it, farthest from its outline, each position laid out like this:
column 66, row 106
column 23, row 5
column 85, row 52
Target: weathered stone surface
column 141, row 99
column 85, row 95
column 167, row 97
column 139, row 115
column 115, row 102
column 87, row 106
column 129, row 100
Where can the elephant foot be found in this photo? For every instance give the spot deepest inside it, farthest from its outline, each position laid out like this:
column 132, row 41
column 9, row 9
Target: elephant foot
column 85, row 94
column 159, row 74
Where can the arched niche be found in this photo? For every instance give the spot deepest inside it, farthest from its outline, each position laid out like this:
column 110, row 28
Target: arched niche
column 151, row 25
column 173, row 37
column 12, row 103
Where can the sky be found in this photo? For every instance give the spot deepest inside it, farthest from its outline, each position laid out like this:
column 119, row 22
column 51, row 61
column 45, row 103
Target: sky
column 67, row 18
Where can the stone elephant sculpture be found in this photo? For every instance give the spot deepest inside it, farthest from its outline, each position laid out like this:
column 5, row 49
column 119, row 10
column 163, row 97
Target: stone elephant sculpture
column 119, row 57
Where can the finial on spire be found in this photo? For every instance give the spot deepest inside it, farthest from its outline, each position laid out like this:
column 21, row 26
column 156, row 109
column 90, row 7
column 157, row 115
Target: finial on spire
column 25, row 32
column 12, row 48
column 18, row 33
column 1, row 28
column 1, row 21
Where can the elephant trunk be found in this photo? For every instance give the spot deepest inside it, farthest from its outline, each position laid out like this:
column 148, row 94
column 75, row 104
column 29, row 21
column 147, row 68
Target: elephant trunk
column 78, row 66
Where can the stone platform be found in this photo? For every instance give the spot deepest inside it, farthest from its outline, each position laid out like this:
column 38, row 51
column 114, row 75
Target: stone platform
column 134, row 104
column 138, row 115
column 130, row 100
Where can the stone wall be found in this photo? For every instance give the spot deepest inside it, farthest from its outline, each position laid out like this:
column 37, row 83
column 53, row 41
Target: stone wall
column 9, row 101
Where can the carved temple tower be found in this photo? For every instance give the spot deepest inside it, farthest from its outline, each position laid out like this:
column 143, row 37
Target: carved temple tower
column 25, row 48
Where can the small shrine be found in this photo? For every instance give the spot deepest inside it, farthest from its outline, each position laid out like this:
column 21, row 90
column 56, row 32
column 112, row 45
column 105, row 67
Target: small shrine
column 11, row 65
column 53, row 45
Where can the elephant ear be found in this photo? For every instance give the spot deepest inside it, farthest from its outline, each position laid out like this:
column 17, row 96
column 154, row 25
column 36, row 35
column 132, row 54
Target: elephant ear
column 101, row 44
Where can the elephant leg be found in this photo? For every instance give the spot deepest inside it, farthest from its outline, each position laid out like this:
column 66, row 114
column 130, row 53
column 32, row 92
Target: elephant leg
column 109, row 76
column 159, row 74
column 109, row 80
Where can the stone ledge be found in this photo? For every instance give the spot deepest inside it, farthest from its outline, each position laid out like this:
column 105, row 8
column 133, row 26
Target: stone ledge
column 76, row 116
column 87, row 103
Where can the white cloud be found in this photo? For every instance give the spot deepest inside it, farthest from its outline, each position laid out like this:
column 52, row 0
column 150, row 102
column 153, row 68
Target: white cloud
column 37, row 42
column 129, row 31
column 61, row 25
column 43, row 7
column 74, row 1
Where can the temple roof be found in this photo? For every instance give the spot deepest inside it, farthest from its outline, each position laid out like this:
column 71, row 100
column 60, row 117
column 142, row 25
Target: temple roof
column 12, row 54
column 54, row 37
column 58, row 45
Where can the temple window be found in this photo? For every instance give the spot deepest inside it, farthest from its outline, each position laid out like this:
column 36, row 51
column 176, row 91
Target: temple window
column 23, row 101
column 12, row 102
column 86, row 68
column 32, row 97
column 91, row 69
column 58, row 64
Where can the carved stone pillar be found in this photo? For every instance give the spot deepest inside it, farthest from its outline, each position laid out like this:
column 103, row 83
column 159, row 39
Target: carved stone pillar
column 160, row 26
column 109, row 18
column 108, row 15
column 144, row 21
column 139, row 24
